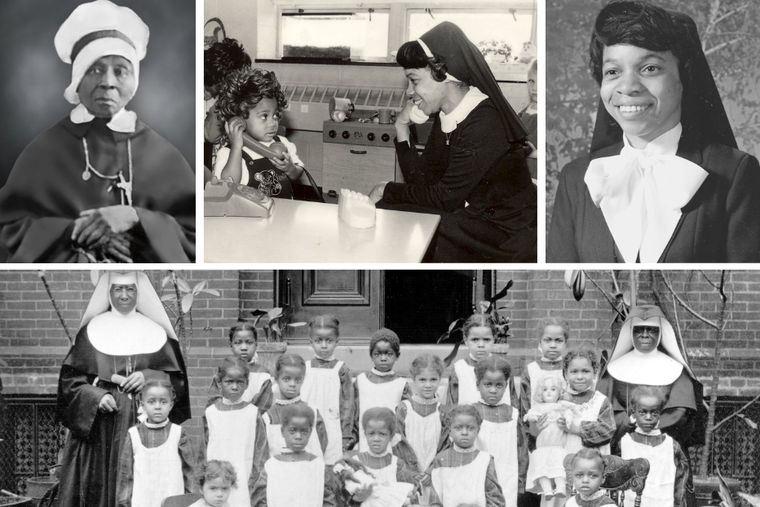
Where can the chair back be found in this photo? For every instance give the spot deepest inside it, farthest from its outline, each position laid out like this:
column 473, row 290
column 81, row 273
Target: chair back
column 185, row 500
column 620, row 475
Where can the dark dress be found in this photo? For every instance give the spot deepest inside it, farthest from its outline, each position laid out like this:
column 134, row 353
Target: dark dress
column 94, row 443
column 262, row 174
column 45, row 193
column 477, row 167
column 721, row 223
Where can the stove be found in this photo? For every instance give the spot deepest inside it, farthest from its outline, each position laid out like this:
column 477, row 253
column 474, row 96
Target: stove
column 361, row 133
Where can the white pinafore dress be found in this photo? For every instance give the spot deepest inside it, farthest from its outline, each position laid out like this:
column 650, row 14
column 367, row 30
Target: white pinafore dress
column 297, row 483
column 321, row 389
column 157, row 471
column 277, row 442
column 423, row 435
column 661, row 480
column 371, row 395
column 256, row 379
column 232, row 437
column 465, row 485
column 589, row 411
column 387, row 491
column 500, row 441
column 468, row 385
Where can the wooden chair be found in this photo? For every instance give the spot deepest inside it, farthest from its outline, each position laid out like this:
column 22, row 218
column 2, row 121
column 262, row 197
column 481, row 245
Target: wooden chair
column 620, row 475
column 181, row 500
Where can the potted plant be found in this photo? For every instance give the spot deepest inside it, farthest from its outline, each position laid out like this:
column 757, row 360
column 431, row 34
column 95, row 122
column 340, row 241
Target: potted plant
column 495, row 51
column 273, row 345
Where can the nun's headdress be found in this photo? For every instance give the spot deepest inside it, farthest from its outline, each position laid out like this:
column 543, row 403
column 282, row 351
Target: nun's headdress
column 465, row 63
column 642, row 24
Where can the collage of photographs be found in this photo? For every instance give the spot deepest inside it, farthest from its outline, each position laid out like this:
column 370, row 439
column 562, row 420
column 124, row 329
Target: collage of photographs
column 550, row 210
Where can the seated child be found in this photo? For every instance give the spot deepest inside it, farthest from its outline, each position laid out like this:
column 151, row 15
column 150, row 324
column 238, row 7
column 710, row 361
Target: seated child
column 668, row 466
column 243, row 342
column 529, row 116
column 157, row 458
column 391, row 483
column 329, row 388
column 546, row 473
column 252, row 101
column 289, row 374
column 501, row 433
column 587, row 473
column 235, row 432
column 595, row 426
column 381, row 387
column 216, row 479
column 462, row 474
column 294, row 465
column 479, row 333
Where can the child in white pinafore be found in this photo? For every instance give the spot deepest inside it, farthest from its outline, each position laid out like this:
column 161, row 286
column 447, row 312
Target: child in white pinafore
column 381, row 387
column 328, row 387
column 668, row 465
column 235, row 432
column 157, row 458
column 463, row 474
column 501, row 432
column 551, row 344
column 290, row 371
column 295, row 477
column 216, row 480
column 479, row 332
column 420, row 420
column 546, row 473
column 586, row 469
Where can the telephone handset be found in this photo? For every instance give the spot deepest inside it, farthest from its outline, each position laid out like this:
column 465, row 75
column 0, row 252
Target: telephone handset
column 228, row 199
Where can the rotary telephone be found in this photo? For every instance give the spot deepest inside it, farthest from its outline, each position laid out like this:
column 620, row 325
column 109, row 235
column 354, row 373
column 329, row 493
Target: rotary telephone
column 228, row 199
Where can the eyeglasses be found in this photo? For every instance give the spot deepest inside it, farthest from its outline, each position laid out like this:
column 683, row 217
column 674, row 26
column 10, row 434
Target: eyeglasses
column 652, row 330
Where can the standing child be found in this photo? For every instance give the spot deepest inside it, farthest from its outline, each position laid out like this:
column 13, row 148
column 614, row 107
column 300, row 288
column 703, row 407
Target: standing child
column 381, row 387
column 668, row 465
column 235, row 432
column 290, row 370
column 554, row 333
column 479, row 333
column 216, row 480
column 587, row 472
column 251, row 101
column 462, row 474
column 393, row 481
column 594, row 426
column 244, row 342
column 157, row 459
column 294, row 465
column 328, row 387
column 501, row 432
column 546, row 473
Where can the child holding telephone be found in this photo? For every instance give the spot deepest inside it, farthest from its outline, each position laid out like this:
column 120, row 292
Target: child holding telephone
column 250, row 103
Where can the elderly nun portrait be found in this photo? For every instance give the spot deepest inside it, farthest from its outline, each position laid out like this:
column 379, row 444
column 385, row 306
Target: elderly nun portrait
column 99, row 185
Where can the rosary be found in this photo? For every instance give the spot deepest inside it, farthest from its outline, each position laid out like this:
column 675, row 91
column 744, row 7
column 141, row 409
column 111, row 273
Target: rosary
column 124, row 186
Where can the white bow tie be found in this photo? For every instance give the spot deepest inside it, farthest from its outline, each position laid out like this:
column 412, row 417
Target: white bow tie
column 124, row 121
column 641, row 193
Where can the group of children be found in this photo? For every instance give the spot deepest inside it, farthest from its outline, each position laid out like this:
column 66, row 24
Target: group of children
column 293, row 438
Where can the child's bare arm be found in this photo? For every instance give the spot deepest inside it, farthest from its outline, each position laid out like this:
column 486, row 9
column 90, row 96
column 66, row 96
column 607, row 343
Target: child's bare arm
column 233, row 168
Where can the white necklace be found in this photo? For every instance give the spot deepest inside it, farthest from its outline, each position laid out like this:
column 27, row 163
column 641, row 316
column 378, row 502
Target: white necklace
column 157, row 425
column 283, row 401
column 124, row 185
column 466, row 451
column 238, row 401
column 423, row 401
column 382, row 373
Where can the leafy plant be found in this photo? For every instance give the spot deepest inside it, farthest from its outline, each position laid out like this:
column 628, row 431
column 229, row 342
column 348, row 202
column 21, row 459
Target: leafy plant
column 179, row 304
column 495, row 47
column 277, row 322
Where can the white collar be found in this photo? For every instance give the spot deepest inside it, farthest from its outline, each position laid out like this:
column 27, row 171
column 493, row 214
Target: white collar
column 652, row 433
column 116, row 334
column 226, row 401
column 652, row 369
column 471, row 99
column 382, row 373
column 463, row 450
column 283, row 401
column 641, row 193
column 422, row 401
column 123, row 121
column 386, row 452
column 593, row 496
column 157, row 425
column 500, row 402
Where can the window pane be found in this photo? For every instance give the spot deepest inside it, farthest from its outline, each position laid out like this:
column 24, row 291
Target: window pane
column 344, row 36
column 512, row 27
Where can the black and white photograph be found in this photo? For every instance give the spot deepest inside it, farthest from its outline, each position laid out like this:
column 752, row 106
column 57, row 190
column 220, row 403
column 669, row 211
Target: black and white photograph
column 98, row 154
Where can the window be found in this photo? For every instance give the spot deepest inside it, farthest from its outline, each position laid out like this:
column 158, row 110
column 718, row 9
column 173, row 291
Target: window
column 349, row 35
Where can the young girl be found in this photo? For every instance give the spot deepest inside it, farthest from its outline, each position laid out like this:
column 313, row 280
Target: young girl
column 290, row 370
column 157, row 459
column 479, row 334
column 462, row 474
column 381, row 387
column 552, row 342
column 275, row 487
column 668, row 466
column 393, row 480
column 251, row 101
column 328, row 387
column 546, row 473
column 235, row 432
column 594, row 426
column 501, row 434
column 587, row 472
column 243, row 342
column 216, row 479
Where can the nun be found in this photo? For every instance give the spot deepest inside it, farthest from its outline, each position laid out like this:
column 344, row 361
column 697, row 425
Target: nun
column 473, row 171
column 664, row 180
column 125, row 338
column 100, row 185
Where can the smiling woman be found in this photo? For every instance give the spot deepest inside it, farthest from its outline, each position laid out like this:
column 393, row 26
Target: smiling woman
column 664, row 181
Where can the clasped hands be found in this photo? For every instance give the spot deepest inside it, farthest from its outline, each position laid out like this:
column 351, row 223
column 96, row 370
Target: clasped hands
column 106, row 229
column 131, row 384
